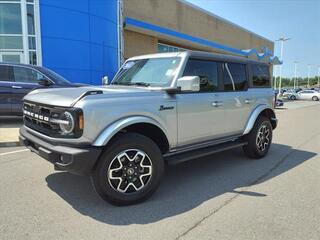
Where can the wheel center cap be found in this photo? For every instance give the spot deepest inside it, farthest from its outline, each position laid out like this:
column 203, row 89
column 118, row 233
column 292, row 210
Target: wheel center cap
column 130, row 171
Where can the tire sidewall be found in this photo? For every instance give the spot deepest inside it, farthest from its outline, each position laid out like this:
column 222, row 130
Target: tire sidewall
column 125, row 142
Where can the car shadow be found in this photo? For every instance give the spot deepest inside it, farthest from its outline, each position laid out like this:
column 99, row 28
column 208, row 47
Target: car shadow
column 10, row 122
column 185, row 186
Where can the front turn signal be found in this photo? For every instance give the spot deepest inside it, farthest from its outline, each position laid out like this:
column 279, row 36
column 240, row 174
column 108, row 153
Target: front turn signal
column 81, row 122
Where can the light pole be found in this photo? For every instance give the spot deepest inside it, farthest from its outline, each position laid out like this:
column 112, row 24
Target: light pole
column 282, row 40
column 295, row 74
column 309, row 69
column 318, row 76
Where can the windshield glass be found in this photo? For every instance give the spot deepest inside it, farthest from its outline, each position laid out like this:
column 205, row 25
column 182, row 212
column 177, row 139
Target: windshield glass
column 156, row 72
column 54, row 76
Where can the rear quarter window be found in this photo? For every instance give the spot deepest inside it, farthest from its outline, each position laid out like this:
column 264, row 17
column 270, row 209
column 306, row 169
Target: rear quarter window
column 5, row 73
column 260, row 75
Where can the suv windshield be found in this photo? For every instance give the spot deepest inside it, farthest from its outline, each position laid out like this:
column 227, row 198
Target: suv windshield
column 156, row 72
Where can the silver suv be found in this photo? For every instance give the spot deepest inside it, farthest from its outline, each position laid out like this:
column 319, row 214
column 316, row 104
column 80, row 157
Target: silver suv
column 161, row 108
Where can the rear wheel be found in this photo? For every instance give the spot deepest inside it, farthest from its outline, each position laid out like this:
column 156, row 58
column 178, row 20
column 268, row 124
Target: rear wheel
column 129, row 171
column 259, row 139
column 315, row 98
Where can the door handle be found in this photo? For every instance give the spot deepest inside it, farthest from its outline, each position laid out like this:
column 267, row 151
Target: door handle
column 216, row 104
column 248, row 101
column 16, row 87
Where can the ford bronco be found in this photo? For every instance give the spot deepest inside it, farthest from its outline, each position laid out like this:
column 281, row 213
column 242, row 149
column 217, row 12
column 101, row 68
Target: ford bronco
column 158, row 109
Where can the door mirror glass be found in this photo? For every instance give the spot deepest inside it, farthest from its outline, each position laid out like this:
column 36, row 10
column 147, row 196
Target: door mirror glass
column 105, row 80
column 189, row 84
column 45, row 82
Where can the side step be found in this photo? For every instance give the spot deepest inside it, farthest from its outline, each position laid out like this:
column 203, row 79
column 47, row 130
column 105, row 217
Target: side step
column 176, row 157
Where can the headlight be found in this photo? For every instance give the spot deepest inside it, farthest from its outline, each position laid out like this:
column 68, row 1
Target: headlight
column 67, row 126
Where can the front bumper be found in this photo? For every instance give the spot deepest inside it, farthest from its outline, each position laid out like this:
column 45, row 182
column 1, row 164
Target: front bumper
column 79, row 160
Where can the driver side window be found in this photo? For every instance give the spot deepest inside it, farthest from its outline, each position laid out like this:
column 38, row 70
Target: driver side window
column 206, row 70
column 26, row 75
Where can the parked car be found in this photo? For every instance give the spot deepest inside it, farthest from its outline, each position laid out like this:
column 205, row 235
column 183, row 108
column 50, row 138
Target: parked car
column 168, row 107
column 17, row 80
column 291, row 94
column 308, row 95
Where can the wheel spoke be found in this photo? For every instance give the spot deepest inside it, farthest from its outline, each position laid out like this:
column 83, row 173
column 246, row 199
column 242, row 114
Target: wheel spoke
column 129, row 174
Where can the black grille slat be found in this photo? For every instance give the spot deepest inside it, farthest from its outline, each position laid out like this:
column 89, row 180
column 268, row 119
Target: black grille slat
column 41, row 125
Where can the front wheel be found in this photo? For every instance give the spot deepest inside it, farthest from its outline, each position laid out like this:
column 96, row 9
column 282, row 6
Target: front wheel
column 293, row 98
column 259, row 139
column 315, row 98
column 129, row 171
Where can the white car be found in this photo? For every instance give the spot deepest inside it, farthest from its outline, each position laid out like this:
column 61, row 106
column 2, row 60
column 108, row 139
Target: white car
column 308, row 95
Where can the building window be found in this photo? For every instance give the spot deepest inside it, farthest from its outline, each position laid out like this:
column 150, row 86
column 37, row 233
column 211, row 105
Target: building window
column 163, row 48
column 19, row 38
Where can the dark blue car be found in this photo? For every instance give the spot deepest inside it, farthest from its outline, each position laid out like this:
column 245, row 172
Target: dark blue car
column 17, row 80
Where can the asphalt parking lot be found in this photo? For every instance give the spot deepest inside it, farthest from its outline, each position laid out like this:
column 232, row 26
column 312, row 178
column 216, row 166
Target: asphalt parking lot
column 224, row 196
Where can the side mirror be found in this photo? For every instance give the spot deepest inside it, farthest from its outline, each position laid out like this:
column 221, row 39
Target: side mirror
column 45, row 82
column 189, row 84
column 105, row 80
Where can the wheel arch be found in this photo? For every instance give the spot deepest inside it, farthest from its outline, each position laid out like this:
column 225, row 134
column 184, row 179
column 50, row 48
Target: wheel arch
column 139, row 124
column 262, row 110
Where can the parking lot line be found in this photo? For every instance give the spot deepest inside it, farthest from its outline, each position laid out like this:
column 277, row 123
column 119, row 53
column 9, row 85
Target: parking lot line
column 7, row 153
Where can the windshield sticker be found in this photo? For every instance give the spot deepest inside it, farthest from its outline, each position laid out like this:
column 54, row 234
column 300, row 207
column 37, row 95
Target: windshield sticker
column 128, row 65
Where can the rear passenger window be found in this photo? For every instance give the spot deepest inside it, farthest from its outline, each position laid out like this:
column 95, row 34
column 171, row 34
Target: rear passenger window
column 235, row 77
column 206, row 70
column 5, row 74
column 260, row 75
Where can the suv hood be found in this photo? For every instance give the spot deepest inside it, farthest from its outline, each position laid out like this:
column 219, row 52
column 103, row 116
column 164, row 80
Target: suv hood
column 65, row 97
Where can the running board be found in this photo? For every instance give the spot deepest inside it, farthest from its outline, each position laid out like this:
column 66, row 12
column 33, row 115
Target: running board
column 176, row 157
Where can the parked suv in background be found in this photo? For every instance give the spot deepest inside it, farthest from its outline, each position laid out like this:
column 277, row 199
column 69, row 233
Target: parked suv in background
column 159, row 108
column 17, row 80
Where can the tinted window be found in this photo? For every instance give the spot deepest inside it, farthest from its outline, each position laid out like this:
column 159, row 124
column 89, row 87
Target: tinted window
column 235, row 77
column 260, row 75
column 27, row 75
column 206, row 70
column 5, row 73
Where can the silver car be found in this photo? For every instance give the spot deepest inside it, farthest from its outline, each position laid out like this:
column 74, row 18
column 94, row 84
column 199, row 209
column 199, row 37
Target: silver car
column 159, row 108
column 308, row 95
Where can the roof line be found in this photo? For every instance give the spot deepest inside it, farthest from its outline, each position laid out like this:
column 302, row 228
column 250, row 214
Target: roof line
column 221, row 19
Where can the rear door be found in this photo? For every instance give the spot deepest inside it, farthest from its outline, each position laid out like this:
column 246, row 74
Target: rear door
column 25, row 80
column 237, row 103
column 6, row 82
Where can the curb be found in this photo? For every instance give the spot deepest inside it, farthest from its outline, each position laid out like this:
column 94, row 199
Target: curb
column 10, row 144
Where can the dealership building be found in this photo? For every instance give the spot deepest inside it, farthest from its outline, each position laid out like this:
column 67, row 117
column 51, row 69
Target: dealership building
column 84, row 40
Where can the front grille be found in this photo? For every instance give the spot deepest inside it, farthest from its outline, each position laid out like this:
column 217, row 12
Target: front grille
column 39, row 117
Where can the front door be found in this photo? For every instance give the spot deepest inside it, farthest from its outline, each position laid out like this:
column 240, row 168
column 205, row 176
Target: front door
column 200, row 114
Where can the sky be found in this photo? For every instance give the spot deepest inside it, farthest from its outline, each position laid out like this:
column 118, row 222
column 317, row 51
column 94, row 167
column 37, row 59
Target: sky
column 297, row 19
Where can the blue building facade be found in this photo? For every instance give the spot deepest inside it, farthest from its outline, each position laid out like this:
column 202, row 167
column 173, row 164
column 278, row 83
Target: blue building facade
column 85, row 40
column 79, row 39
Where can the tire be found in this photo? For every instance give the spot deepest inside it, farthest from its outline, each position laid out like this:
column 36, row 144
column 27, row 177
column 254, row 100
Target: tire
column 293, row 98
column 315, row 98
column 256, row 149
column 125, row 185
